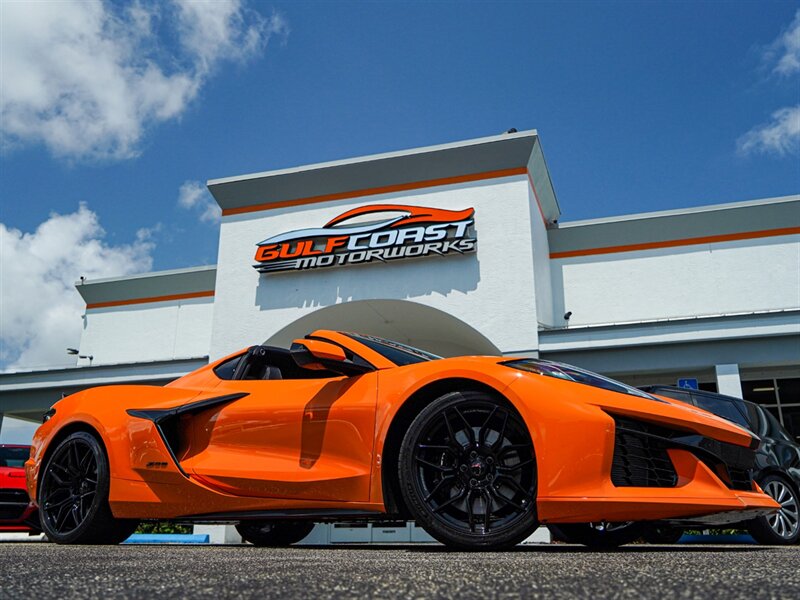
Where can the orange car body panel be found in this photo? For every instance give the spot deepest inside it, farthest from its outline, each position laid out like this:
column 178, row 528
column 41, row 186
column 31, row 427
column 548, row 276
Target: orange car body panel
column 317, row 444
column 309, row 439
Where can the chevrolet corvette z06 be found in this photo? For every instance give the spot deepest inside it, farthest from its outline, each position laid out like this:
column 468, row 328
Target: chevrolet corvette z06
column 478, row 450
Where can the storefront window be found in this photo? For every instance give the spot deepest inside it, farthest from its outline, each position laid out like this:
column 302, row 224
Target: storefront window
column 789, row 390
column 710, row 386
column 761, row 391
column 781, row 397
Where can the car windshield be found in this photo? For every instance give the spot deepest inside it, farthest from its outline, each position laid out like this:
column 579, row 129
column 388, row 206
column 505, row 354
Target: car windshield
column 13, row 457
column 398, row 353
column 727, row 408
column 576, row 374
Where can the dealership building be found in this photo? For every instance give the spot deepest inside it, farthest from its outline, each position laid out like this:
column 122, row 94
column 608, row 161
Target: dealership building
column 460, row 249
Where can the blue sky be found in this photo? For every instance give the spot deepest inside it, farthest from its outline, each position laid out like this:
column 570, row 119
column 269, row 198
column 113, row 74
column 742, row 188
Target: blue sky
column 114, row 114
column 639, row 106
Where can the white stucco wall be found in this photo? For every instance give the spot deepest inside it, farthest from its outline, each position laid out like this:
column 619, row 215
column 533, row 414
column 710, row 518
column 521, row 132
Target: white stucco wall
column 492, row 290
column 148, row 332
column 707, row 279
column 541, row 266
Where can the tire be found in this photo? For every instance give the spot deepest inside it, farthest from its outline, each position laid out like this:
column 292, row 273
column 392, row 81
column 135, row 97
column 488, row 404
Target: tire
column 467, row 472
column 662, row 534
column 73, row 495
column 599, row 535
column 274, row 533
column 781, row 528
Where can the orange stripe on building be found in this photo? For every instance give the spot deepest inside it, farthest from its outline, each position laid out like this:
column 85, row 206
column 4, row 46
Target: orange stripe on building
column 402, row 187
column 205, row 294
column 711, row 239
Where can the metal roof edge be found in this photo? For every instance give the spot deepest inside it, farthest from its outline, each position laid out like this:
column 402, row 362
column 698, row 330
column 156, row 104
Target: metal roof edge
column 576, row 329
column 155, row 286
column 149, row 274
column 681, row 211
column 374, row 157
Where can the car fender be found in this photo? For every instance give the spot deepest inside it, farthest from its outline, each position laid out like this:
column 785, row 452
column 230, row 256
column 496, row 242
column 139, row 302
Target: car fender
column 104, row 410
column 400, row 385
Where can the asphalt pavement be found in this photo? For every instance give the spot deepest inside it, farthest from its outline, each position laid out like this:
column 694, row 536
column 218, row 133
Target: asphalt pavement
column 31, row 570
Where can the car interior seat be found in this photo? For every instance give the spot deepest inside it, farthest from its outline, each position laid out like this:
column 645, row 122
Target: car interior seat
column 256, row 364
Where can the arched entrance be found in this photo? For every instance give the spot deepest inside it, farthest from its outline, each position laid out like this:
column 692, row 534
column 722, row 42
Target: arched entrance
column 400, row 320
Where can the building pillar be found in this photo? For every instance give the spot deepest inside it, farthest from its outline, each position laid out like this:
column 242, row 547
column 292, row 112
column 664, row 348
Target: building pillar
column 728, row 381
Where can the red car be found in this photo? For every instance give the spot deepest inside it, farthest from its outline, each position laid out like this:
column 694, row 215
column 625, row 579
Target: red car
column 17, row 512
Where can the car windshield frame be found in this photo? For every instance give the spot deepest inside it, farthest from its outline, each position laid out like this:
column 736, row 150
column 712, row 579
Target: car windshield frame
column 397, row 352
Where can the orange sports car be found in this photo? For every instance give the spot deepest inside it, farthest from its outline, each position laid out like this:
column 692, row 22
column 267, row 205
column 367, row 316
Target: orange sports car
column 478, row 450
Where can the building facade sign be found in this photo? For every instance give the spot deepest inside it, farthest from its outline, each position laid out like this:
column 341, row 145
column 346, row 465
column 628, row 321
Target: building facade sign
column 393, row 232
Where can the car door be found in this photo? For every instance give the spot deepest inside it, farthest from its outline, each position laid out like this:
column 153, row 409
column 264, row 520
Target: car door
column 289, row 438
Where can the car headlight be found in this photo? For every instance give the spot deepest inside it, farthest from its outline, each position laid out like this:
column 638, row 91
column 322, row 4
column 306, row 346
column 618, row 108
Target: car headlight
column 575, row 374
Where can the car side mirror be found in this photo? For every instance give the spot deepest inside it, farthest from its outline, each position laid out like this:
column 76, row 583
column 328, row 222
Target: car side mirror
column 322, row 350
column 318, row 355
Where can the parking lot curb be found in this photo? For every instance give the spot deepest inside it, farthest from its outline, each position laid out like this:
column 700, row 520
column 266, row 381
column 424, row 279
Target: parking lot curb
column 717, row 539
column 167, row 538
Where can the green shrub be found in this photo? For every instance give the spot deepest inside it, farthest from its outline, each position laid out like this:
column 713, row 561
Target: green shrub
column 163, row 527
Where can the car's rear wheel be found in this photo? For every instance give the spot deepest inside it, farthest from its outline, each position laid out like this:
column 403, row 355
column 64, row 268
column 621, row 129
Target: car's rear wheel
column 274, row 533
column 73, row 495
column 600, row 534
column 783, row 527
column 468, row 472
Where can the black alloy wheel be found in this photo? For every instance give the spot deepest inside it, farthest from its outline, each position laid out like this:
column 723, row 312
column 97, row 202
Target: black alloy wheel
column 601, row 535
column 73, row 495
column 782, row 527
column 274, row 533
column 468, row 472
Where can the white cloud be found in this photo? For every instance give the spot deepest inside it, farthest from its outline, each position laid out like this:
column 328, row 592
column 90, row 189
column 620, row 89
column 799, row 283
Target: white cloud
column 39, row 306
column 193, row 195
column 211, row 31
column 87, row 79
column 785, row 50
column 780, row 136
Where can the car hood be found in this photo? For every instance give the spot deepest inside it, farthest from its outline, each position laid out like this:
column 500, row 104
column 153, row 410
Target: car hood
column 664, row 411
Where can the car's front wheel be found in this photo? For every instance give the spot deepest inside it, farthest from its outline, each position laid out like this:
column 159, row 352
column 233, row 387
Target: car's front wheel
column 468, row 472
column 274, row 533
column 783, row 527
column 73, row 495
